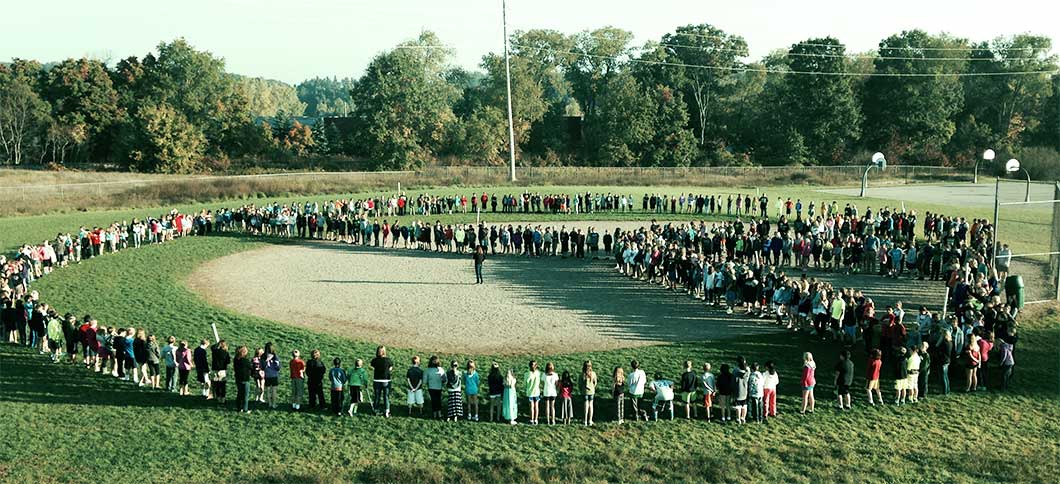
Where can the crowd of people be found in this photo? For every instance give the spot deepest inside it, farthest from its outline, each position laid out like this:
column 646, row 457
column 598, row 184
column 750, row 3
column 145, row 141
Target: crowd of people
column 738, row 265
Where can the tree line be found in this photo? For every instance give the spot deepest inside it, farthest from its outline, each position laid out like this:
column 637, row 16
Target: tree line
column 592, row 98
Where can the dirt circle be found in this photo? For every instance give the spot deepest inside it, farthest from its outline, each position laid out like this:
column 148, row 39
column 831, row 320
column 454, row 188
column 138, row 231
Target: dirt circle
column 428, row 301
column 543, row 306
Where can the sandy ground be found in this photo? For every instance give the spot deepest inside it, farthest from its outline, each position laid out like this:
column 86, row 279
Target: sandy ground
column 954, row 194
column 427, row 301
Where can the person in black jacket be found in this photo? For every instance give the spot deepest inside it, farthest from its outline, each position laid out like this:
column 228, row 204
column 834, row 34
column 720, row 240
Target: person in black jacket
column 315, row 370
column 72, row 336
column 242, row 368
column 479, row 256
column 220, row 359
column 202, row 367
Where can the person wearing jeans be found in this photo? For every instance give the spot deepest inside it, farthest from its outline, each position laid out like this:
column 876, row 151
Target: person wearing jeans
column 169, row 358
column 381, row 369
column 242, row 368
column 479, row 256
column 315, row 371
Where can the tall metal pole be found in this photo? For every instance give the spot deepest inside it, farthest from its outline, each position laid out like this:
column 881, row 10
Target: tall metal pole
column 997, row 208
column 508, row 83
column 865, row 180
column 1027, row 198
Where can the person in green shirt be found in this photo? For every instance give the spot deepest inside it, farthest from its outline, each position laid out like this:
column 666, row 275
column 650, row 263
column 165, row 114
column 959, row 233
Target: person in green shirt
column 358, row 378
column 55, row 335
column 533, row 390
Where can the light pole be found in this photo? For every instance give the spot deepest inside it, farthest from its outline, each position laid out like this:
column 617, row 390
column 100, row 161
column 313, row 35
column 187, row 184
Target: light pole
column 1013, row 166
column 508, row 85
column 878, row 161
column 988, row 156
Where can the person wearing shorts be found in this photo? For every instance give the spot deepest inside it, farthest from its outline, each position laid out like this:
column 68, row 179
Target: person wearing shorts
column 471, row 390
column 414, row 379
column 532, row 381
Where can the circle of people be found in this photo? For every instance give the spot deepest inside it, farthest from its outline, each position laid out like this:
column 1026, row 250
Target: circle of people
column 733, row 264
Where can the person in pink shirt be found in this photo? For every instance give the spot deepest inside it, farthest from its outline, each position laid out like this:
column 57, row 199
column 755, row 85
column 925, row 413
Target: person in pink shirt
column 986, row 343
column 809, row 368
column 182, row 357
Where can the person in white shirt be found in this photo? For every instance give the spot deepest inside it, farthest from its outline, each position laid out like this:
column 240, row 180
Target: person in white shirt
column 635, row 385
column 769, row 390
column 549, row 391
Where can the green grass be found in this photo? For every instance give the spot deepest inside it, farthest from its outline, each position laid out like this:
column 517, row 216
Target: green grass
column 63, row 424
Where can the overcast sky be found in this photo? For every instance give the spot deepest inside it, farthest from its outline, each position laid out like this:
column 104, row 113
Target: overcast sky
column 294, row 40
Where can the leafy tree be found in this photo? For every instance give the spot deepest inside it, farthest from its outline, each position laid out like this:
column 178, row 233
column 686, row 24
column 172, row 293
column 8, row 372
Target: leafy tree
column 1005, row 108
column 914, row 117
column 622, row 122
column 1048, row 132
column 482, row 136
column 822, row 109
column 299, row 139
column 326, row 96
column 638, row 126
column 403, row 104
column 266, row 97
column 321, row 139
column 672, row 144
column 529, row 103
column 195, row 84
column 597, row 57
column 164, row 140
column 24, row 116
column 720, row 55
column 85, row 105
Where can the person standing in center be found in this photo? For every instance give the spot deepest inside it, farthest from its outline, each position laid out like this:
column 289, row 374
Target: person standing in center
column 242, row 368
column 337, row 377
column 533, row 390
column 479, row 256
column 297, row 379
column 381, row 369
column 315, row 371
column 219, row 361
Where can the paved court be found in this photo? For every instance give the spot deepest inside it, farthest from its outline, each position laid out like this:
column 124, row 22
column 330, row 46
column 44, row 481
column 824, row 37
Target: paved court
column 955, row 194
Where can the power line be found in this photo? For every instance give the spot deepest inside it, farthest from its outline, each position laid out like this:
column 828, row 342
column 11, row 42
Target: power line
column 818, row 44
column 766, row 70
column 850, row 56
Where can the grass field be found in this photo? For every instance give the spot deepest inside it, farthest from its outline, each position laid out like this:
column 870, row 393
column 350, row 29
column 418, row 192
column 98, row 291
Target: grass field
column 62, row 424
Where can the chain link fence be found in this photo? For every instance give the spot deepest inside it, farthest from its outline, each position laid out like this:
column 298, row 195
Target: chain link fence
column 1028, row 224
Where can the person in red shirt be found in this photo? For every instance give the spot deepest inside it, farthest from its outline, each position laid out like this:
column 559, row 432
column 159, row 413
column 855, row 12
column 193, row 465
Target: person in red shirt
column 95, row 239
column 297, row 380
column 873, row 376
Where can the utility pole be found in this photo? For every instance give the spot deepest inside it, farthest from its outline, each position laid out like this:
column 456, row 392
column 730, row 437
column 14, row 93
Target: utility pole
column 508, row 82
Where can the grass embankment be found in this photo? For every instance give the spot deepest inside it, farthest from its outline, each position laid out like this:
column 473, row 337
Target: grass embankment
column 63, row 424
